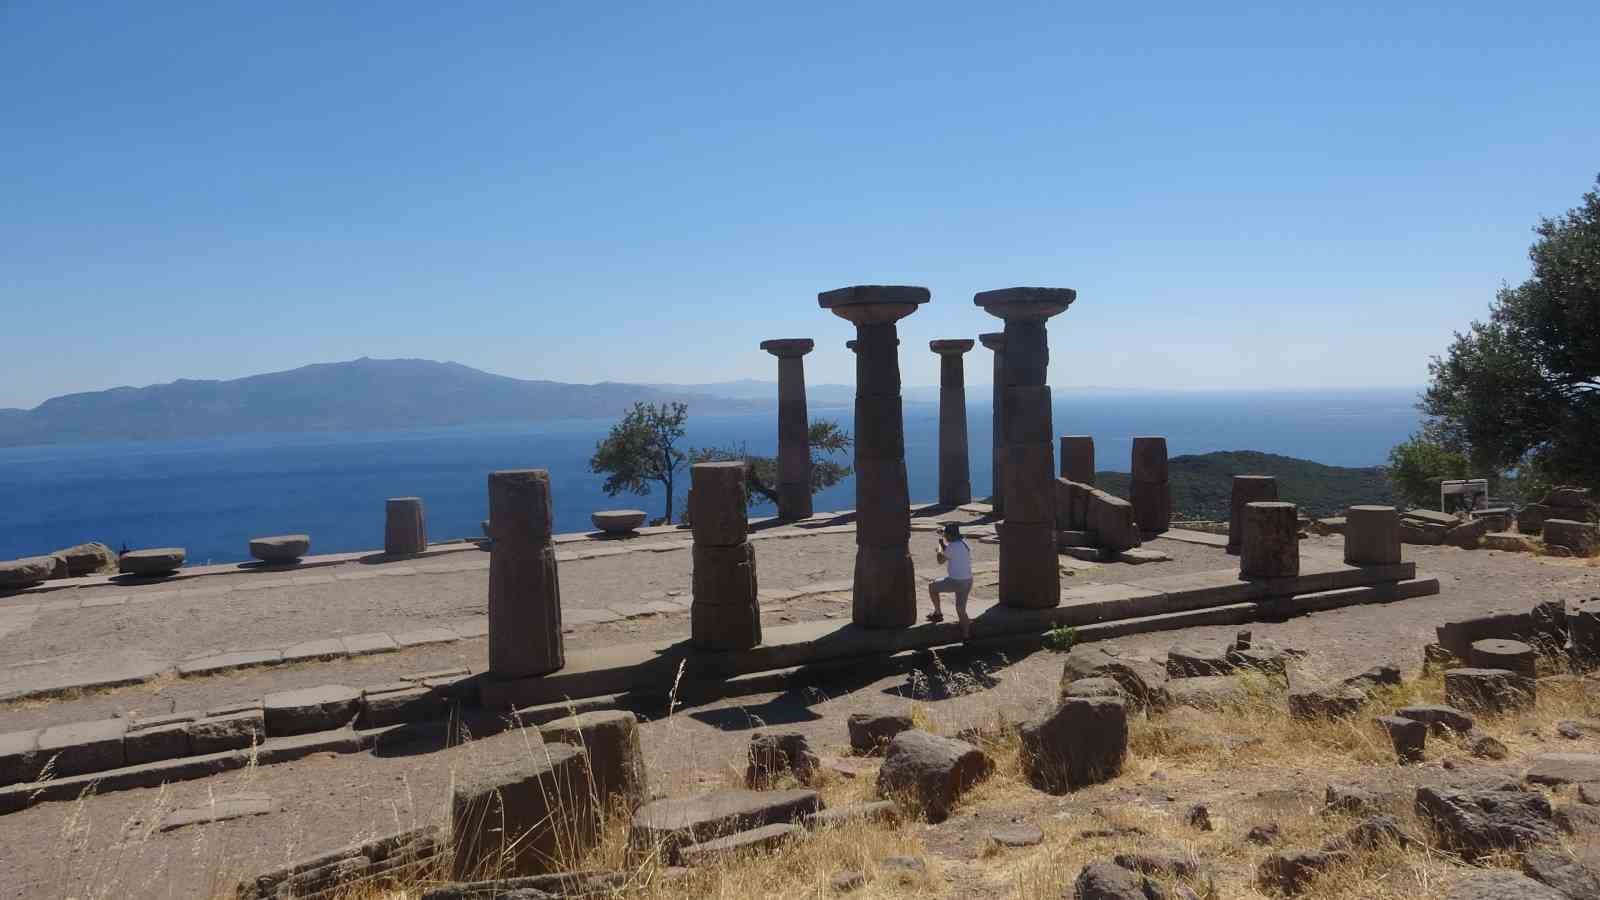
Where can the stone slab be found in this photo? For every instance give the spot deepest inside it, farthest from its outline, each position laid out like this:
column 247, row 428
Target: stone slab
column 221, row 809
column 221, row 662
column 1203, row 538
column 320, row 649
column 375, row 642
column 82, row 747
column 321, row 708
column 424, row 636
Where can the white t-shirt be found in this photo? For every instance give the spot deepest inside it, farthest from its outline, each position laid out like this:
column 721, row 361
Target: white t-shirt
column 958, row 560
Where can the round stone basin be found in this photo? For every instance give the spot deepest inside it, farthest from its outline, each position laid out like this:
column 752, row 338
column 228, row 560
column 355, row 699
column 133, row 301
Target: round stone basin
column 160, row 561
column 280, row 548
column 617, row 521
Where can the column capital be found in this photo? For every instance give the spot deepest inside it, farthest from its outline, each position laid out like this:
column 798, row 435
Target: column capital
column 785, row 348
column 951, row 346
column 994, row 340
column 874, row 304
column 850, row 345
column 1025, row 302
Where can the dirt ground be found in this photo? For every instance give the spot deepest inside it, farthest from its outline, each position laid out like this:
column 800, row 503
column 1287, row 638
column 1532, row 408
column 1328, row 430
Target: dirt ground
column 104, row 846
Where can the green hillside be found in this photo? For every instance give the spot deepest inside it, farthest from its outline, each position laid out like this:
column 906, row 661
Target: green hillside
column 1201, row 484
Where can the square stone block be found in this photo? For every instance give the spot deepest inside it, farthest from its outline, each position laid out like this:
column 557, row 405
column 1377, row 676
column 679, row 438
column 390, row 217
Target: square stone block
column 880, row 427
column 83, row 747
column 234, row 731
column 1027, row 472
column 303, row 711
column 157, row 743
column 525, row 815
column 1027, row 416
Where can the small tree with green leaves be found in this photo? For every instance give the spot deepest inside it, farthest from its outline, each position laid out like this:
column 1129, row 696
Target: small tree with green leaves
column 643, row 449
column 1417, row 465
column 826, row 439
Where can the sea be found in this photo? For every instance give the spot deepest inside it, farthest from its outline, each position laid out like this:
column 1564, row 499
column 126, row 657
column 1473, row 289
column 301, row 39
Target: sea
column 211, row 496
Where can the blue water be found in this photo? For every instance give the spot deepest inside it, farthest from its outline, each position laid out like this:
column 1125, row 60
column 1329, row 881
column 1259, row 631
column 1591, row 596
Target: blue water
column 212, row 496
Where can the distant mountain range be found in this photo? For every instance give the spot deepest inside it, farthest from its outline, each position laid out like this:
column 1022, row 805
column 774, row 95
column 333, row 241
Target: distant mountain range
column 1201, row 484
column 360, row 395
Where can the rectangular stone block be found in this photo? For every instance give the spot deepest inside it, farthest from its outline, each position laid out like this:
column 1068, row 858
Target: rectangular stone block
column 884, row 592
column 322, row 648
column 880, row 430
column 1112, row 522
column 725, row 626
column 524, row 611
column 235, row 731
column 520, row 505
column 1030, row 576
column 724, row 575
column 19, row 756
column 1077, row 458
column 321, row 708
column 883, row 502
column 364, row 644
column 522, row 816
column 1152, row 505
column 1027, row 471
column 1149, row 459
column 83, row 747
column 411, row 703
column 1027, row 416
column 717, row 508
column 149, row 745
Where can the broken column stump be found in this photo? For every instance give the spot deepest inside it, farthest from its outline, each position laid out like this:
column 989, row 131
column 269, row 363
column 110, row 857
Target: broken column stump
column 1148, row 489
column 794, row 428
column 524, row 588
column 1029, row 573
column 885, row 590
column 724, row 614
column 1246, row 489
column 405, row 530
column 1271, row 547
column 955, row 481
column 527, row 815
column 1077, row 458
column 1371, row 535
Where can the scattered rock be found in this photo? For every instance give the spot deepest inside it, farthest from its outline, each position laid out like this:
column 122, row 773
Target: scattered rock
column 767, row 837
column 903, row 869
column 1500, row 884
column 1370, row 834
column 1109, row 881
column 1578, row 819
column 1207, row 692
column 1084, row 740
column 1198, row 817
column 1326, row 703
column 677, row 822
column 847, row 881
column 1558, row 869
column 1141, row 679
column 1563, row 768
column 870, row 733
column 25, row 572
column 1440, row 718
column 306, row 710
column 1187, row 661
column 1477, row 822
column 1578, row 538
column 1017, row 834
column 88, row 559
column 1409, row 736
column 611, row 739
column 1379, row 676
column 1292, row 871
column 280, row 548
column 1488, row 690
column 1348, row 798
column 1156, row 862
column 1485, row 747
column 220, row 809
column 773, row 755
column 930, row 772
column 1265, row 835
column 877, row 811
column 1099, row 686
column 509, row 817
column 1589, row 792
column 1570, row 730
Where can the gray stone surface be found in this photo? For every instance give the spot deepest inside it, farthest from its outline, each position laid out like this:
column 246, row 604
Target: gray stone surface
column 93, row 558
column 1408, row 736
column 725, row 613
column 617, row 521
column 1500, row 884
column 1083, row 741
column 928, row 774
column 1371, row 535
column 221, row 809
column 282, row 548
column 756, row 840
column 305, row 710
column 405, row 702
column 1246, row 489
column 19, row 756
column 1293, row 871
column 151, row 563
column 524, row 584
column 671, row 824
column 1479, row 822
column 1111, row 522
column 1077, row 458
column 1271, row 540
column 1488, row 690
column 1502, row 653
column 611, row 739
column 230, row 731
column 1572, row 876
column 405, row 526
column 1563, row 768
column 774, row 755
column 147, row 745
column 1440, row 718
column 1109, row 881
column 515, row 816
column 83, row 747
column 1581, row 538
column 25, row 572
column 870, row 733
column 882, row 811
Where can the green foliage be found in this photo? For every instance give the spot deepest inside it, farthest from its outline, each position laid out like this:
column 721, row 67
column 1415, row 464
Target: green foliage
column 1522, row 390
column 826, row 439
column 642, row 449
column 1202, row 484
column 1061, row 638
column 1417, row 465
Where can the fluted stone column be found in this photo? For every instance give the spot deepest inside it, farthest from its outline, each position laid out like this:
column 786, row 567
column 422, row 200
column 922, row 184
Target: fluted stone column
column 1148, row 488
column 405, row 528
column 1029, row 576
column 996, row 341
column 524, row 590
column 885, row 593
column 1077, row 458
column 1246, row 489
column 794, row 429
column 955, row 475
column 724, row 614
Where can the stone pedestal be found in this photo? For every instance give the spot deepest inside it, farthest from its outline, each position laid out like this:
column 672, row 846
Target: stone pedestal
column 521, row 816
column 996, row 341
column 955, row 479
column 885, row 593
column 1029, row 576
column 1148, row 489
column 1371, row 535
column 724, row 614
column 1246, row 489
column 794, row 428
column 405, row 531
column 524, row 589
column 1077, row 458
column 1271, row 547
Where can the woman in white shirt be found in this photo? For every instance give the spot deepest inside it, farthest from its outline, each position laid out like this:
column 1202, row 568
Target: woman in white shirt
column 957, row 559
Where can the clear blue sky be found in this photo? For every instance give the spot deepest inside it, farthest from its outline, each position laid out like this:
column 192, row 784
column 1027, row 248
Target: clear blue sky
column 1243, row 195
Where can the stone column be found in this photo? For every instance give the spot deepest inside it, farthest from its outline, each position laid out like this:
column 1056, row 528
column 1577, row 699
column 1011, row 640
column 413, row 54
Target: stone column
column 1149, row 491
column 1077, row 458
column 524, row 590
column 724, row 614
column 405, row 529
column 996, row 341
column 1246, row 489
column 955, row 477
column 885, row 594
column 1029, row 576
column 794, row 428
column 1371, row 535
column 1271, row 547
